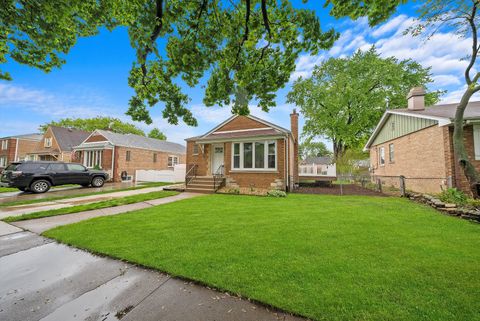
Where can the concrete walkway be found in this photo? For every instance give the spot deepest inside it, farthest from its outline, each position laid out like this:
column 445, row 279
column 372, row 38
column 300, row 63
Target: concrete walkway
column 68, row 202
column 43, row 224
column 44, row 280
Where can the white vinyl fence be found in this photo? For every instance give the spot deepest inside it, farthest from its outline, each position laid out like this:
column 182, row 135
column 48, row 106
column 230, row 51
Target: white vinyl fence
column 170, row 176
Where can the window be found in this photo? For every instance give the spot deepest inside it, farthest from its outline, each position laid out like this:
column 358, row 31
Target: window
column 127, row 156
column 93, row 158
column 172, row 161
column 236, row 155
column 3, row 161
column 56, row 167
column 381, row 156
column 76, row 168
column 195, row 149
column 391, row 153
column 47, row 142
column 259, row 155
column 4, row 144
column 154, row 157
column 476, row 141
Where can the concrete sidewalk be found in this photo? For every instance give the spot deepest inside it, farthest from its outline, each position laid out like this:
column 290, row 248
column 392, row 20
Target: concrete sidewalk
column 40, row 225
column 43, row 280
column 68, row 202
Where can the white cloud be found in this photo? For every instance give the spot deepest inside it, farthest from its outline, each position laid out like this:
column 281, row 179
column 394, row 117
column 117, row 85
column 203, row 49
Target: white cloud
column 389, row 26
column 446, row 80
column 455, row 96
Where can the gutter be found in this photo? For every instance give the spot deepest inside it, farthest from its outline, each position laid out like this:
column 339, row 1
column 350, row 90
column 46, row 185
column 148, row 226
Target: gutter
column 16, row 152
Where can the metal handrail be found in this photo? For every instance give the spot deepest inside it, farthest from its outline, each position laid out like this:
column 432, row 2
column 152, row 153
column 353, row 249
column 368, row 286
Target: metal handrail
column 188, row 177
column 219, row 174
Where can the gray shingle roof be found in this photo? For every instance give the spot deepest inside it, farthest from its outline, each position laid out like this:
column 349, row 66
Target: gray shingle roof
column 137, row 141
column 34, row 136
column 445, row 111
column 319, row 160
column 68, row 138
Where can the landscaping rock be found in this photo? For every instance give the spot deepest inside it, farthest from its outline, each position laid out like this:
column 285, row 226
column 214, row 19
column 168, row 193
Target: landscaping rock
column 450, row 205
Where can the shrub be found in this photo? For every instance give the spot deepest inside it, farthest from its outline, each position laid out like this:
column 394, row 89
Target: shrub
column 276, row 193
column 453, row 195
column 474, row 202
column 233, row 191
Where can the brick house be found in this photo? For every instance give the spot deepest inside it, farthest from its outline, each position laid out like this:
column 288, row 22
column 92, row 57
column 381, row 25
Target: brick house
column 57, row 144
column 245, row 152
column 16, row 148
column 416, row 142
column 126, row 153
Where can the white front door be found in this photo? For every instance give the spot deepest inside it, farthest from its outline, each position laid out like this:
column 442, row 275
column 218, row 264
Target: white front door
column 217, row 157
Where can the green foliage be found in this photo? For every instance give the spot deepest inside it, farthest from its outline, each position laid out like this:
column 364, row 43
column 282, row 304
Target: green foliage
column 310, row 148
column 157, row 134
column 377, row 11
column 233, row 191
column 453, row 195
column 473, row 202
column 90, row 124
column 276, row 193
column 97, row 167
column 345, row 97
column 246, row 48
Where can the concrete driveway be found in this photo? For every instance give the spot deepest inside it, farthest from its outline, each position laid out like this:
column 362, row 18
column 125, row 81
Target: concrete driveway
column 43, row 280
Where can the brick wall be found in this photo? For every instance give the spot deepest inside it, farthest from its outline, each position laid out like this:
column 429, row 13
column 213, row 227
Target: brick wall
column 420, row 157
column 202, row 159
column 241, row 122
column 25, row 147
column 96, row 138
column 10, row 151
column 140, row 159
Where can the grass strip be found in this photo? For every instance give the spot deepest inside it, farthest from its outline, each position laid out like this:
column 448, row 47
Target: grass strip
column 56, row 198
column 92, row 206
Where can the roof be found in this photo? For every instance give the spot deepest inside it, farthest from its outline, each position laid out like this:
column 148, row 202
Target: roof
column 33, row 136
column 319, row 160
column 67, row 138
column 442, row 113
column 270, row 130
column 136, row 141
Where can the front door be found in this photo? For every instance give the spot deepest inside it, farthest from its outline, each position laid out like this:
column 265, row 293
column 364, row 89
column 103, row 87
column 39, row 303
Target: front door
column 217, row 157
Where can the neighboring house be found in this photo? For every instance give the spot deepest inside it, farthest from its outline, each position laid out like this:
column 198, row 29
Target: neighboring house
column 317, row 168
column 416, row 142
column 57, row 144
column 245, row 152
column 16, row 148
column 126, row 153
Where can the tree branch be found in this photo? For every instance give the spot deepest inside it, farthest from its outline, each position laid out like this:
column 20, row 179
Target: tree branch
column 245, row 35
column 473, row 58
column 153, row 37
column 266, row 23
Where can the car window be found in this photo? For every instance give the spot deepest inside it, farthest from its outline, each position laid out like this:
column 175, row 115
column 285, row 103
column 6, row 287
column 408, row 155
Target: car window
column 56, row 167
column 75, row 167
column 11, row 167
column 32, row 167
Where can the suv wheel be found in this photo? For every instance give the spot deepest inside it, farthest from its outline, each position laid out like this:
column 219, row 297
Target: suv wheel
column 40, row 186
column 98, row 181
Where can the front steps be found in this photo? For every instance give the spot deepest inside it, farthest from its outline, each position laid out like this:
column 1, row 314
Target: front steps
column 201, row 184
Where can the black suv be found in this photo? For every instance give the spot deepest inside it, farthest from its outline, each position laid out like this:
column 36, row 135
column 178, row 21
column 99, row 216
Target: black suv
column 38, row 177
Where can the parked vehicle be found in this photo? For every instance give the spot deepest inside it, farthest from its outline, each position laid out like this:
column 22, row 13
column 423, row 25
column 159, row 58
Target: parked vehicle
column 38, row 177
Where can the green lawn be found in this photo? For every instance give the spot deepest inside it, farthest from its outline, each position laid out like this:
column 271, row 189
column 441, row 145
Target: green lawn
column 92, row 206
column 87, row 193
column 323, row 257
column 8, row 189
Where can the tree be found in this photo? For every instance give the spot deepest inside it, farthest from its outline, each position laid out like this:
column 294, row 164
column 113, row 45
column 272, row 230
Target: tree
column 344, row 98
column 310, row 148
column 157, row 134
column 245, row 49
column 460, row 16
column 90, row 124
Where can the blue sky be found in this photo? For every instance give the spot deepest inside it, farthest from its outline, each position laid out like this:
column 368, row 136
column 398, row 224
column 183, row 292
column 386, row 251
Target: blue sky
column 94, row 79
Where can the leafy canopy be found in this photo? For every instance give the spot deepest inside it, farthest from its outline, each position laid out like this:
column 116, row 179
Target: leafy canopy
column 157, row 134
column 310, row 148
column 345, row 97
column 244, row 49
column 90, row 124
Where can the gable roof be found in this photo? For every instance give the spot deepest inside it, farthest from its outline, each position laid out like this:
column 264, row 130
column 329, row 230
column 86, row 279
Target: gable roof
column 67, row 138
column 34, row 136
column 270, row 130
column 442, row 113
column 136, row 141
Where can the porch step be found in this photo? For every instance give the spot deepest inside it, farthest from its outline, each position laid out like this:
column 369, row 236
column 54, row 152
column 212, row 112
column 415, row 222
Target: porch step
column 200, row 185
column 203, row 180
column 199, row 190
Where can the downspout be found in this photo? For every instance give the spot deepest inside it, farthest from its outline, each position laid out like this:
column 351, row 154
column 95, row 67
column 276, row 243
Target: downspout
column 287, row 167
column 113, row 163
column 16, row 152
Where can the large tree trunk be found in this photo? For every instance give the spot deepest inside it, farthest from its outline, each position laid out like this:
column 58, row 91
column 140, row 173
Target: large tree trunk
column 461, row 155
column 339, row 149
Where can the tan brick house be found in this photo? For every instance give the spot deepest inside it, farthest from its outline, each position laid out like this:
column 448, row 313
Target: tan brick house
column 126, row 153
column 16, row 148
column 416, row 142
column 57, row 144
column 244, row 151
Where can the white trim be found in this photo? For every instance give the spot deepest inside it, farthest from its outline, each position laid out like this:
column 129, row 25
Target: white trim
column 241, row 154
column 241, row 130
column 442, row 121
column 5, row 144
column 243, row 139
column 173, row 162
column 380, row 149
column 95, row 131
column 16, row 152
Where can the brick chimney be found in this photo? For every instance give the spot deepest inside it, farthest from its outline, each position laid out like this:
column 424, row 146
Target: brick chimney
column 294, row 129
column 416, row 98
